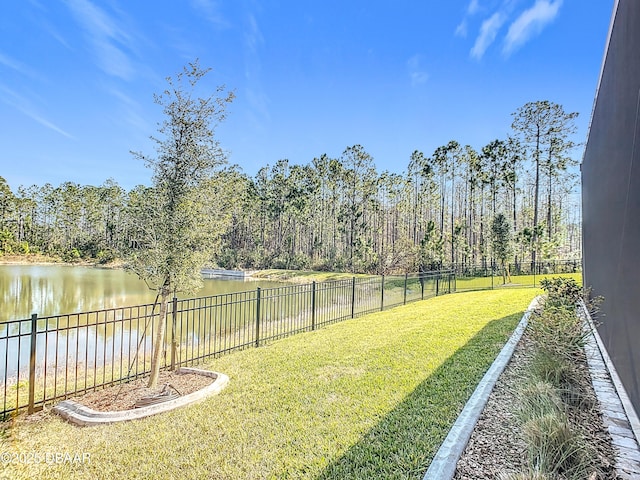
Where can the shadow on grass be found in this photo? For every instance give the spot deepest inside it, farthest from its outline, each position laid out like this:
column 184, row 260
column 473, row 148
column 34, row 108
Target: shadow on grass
column 403, row 443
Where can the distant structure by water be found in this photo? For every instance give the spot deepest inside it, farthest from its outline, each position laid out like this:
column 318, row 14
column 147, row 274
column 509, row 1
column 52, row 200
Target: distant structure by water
column 220, row 273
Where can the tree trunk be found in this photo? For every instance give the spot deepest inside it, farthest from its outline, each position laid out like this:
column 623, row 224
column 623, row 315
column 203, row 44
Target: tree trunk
column 482, row 249
column 549, row 200
column 534, row 239
column 515, row 219
column 453, row 192
column 158, row 341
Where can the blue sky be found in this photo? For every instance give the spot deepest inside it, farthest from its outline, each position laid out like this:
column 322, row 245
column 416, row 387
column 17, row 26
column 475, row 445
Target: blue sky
column 77, row 77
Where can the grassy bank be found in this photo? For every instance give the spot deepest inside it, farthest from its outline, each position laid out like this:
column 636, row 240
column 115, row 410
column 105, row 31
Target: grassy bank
column 30, row 259
column 38, row 259
column 371, row 397
column 477, row 283
column 304, row 276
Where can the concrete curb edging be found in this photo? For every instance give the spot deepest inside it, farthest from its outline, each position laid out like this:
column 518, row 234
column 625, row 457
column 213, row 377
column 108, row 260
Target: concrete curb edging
column 77, row 413
column 443, row 466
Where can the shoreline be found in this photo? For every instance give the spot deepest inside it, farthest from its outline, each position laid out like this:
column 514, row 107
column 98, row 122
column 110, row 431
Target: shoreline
column 46, row 260
column 279, row 275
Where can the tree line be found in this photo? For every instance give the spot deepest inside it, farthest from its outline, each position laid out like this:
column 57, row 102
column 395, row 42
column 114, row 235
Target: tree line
column 335, row 213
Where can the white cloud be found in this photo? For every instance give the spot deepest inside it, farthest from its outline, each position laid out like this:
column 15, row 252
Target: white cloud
column 256, row 97
column 109, row 40
column 461, row 29
column 130, row 111
column 530, row 23
column 211, row 11
column 43, row 121
column 487, row 35
column 472, row 9
column 24, row 105
column 17, row 66
column 474, row 6
column 253, row 37
column 417, row 74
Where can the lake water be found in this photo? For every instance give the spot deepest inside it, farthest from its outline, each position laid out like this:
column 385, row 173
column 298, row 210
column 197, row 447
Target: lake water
column 49, row 290
column 111, row 341
column 57, row 289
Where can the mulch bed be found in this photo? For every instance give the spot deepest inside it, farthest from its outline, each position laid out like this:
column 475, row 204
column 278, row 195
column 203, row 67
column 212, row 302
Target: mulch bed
column 497, row 448
column 124, row 396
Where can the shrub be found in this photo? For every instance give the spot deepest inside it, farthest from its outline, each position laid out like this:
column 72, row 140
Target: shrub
column 556, row 449
column 559, row 331
column 557, row 388
column 23, row 248
column 550, row 368
column 71, row 255
column 539, row 398
column 106, row 256
column 562, row 292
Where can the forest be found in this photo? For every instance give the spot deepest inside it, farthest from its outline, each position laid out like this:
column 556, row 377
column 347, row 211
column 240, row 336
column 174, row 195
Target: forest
column 339, row 214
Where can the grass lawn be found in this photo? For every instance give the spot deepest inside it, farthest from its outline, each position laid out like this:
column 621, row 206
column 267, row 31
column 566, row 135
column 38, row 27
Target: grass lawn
column 476, row 283
column 371, row 397
column 305, row 276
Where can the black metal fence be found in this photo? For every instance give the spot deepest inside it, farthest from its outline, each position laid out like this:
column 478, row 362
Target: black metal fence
column 482, row 277
column 44, row 359
column 547, row 267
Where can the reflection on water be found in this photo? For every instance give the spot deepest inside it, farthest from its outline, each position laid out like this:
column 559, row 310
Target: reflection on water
column 91, row 339
column 73, row 352
column 55, row 290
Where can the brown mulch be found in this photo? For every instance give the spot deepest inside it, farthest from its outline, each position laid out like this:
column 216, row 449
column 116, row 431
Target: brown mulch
column 125, row 395
column 497, row 448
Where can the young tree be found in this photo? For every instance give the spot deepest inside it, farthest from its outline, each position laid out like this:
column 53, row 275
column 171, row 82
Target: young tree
column 177, row 233
column 431, row 251
column 7, row 201
column 501, row 243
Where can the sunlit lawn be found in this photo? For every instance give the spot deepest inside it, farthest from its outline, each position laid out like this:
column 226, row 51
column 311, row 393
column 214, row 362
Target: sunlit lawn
column 476, row 283
column 371, row 397
column 305, row 276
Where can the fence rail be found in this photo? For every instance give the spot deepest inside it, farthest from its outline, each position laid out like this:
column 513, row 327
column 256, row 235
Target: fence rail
column 546, row 267
column 45, row 359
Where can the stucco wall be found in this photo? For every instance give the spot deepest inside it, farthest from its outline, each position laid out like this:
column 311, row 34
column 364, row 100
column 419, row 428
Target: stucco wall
column 611, row 196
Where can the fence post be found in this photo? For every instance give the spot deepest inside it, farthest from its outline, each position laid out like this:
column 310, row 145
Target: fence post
column 32, row 363
column 405, row 287
column 492, row 276
column 313, row 305
column 438, row 283
column 353, row 297
column 174, row 343
column 382, row 294
column 258, row 317
column 449, row 280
